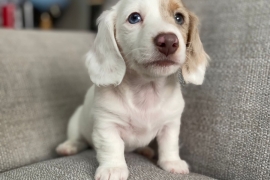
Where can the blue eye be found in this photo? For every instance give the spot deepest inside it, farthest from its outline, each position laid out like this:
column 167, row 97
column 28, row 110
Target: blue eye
column 179, row 18
column 134, row 18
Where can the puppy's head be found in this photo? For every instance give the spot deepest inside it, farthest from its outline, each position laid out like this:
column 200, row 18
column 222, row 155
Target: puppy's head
column 155, row 38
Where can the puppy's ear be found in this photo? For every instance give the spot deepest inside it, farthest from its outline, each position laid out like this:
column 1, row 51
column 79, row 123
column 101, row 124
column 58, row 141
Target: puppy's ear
column 105, row 63
column 193, row 69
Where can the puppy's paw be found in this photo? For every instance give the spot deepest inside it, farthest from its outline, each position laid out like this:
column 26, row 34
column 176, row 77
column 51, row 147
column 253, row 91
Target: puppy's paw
column 67, row 148
column 111, row 173
column 178, row 167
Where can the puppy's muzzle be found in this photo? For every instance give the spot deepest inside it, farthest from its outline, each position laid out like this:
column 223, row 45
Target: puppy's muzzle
column 167, row 43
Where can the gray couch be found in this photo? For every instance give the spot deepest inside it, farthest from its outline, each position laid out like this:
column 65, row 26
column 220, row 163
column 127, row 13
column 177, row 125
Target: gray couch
column 225, row 131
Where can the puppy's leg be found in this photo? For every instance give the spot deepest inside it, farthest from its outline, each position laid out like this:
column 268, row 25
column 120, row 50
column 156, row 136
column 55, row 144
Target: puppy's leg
column 110, row 154
column 75, row 142
column 169, row 158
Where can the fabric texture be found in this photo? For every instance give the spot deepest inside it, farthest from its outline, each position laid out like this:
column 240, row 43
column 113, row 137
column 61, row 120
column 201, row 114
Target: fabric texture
column 225, row 129
column 42, row 81
column 83, row 166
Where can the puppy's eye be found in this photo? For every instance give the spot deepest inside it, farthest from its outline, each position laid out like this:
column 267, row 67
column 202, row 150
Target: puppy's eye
column 179, row 18
column 134, row 18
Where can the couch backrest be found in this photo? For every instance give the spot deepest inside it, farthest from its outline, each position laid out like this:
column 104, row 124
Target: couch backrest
column 42, row 81
column 226, row 124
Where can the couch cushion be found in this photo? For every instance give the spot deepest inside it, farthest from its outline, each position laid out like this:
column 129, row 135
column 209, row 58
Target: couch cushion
column 42, row 81
column 226, row 124
column 83, row 166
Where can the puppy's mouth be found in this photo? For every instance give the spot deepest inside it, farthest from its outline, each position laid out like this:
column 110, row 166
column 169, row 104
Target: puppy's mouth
column 162, row 63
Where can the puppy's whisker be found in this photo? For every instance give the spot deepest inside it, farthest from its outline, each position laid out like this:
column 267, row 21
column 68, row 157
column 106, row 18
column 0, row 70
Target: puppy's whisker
column 148, row 56
column 135, row 50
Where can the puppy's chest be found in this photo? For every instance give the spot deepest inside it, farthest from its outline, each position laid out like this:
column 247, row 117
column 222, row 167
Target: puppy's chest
column 140, row 128
column 145, row 121
column 142, row 123
column 147, row 111
column 144, row 100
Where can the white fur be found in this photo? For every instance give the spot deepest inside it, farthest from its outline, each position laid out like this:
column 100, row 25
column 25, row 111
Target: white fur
column 145, row 101
column 105, row 63
column 197, row 77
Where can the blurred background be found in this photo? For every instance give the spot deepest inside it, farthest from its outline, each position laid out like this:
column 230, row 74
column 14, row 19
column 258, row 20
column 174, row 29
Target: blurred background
column 52, row 14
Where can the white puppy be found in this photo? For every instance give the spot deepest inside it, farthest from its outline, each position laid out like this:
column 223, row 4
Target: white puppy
column 139, row 48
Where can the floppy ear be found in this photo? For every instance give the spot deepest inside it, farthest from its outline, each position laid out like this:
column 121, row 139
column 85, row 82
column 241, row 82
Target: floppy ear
column 105, row 63
column 193, row 69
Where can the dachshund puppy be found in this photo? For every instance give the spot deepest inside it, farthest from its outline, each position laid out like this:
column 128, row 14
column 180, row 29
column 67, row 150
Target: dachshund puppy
column 139, row 49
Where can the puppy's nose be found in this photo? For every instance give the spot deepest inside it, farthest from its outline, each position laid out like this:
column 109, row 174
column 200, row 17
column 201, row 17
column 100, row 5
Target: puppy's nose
column 167, row 43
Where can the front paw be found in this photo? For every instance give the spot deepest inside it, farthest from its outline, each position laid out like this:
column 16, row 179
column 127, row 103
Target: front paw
column 178, row 166
column 111, row 173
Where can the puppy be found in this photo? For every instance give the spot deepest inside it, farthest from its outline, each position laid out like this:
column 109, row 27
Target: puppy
column 136, row 96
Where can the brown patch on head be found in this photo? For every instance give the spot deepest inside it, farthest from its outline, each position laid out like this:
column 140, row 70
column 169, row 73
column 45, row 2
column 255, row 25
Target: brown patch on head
column 169, row 8
column 195, row 54
column 173, row 6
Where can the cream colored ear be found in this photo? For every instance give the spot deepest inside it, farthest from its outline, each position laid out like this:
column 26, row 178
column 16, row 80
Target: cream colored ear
column 105, row 63
column 193, row 69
